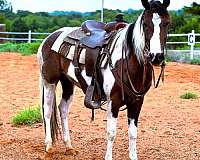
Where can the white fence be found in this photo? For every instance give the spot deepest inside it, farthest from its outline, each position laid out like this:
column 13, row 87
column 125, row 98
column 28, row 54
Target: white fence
column 29, row 35
column 30, row 38
column 191, row 41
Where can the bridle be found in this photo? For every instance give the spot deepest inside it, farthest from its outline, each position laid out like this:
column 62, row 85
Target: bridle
column 148, row 59
column 132, row 91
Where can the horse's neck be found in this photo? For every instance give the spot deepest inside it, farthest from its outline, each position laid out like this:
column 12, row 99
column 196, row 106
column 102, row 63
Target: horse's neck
column 117, row 46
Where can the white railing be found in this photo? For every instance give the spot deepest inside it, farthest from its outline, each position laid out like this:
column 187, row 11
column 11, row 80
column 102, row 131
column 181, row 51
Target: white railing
column 191, row 41
column 30, row 38
column 28, row 34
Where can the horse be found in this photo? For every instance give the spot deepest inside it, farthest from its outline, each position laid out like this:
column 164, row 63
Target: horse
column 127, row 75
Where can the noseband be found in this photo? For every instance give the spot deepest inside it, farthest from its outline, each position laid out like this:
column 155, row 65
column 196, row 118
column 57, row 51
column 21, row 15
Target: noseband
column 148, row 59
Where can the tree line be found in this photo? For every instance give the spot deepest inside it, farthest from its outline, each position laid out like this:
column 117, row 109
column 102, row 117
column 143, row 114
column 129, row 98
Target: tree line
column 182, row 21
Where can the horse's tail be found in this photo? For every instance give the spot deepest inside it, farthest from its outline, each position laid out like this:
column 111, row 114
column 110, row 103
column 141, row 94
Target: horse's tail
column 54, row 117
column 54, row 121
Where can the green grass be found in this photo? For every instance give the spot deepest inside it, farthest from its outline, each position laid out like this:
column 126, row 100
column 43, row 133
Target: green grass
column 23, row 48
column 169, row 58
column 195, row 61
column 27, row 116
column 189, row 95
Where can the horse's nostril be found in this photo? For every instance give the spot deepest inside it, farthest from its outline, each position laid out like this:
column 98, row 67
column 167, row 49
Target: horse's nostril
column 161, row 56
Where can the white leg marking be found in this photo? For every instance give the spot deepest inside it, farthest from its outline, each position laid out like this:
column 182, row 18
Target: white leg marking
column 111, row 132
column 155, row 45
column 64, row 110
column 132, row 132
column 49, row 90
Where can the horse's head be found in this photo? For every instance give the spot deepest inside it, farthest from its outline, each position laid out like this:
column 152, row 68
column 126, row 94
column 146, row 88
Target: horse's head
column 155, row 26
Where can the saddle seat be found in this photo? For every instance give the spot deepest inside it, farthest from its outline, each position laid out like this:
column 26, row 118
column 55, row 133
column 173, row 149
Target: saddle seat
column 92, row 26
column 93, row 33
column 96, row 34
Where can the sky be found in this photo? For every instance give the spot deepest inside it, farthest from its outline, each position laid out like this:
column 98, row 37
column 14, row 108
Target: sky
column 87, row 5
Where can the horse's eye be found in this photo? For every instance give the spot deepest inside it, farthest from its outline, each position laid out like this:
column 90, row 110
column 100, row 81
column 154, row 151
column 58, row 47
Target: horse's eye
column 165, row 24
column 145, row 24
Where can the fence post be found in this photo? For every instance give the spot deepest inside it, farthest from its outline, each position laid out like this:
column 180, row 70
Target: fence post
column 29, row 36
column 191, row 42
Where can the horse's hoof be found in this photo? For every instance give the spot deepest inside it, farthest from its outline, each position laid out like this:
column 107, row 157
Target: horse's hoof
column 71, row 151
column 49, row 148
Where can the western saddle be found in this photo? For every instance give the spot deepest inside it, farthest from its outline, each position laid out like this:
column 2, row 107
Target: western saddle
column 96, row 38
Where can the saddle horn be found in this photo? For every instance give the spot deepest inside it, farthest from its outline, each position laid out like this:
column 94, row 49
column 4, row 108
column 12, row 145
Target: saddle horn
column 166, row 3
column 145, row 4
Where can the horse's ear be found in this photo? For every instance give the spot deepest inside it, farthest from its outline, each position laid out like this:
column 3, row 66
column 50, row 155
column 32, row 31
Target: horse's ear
column 166, row 3
column 145, row 4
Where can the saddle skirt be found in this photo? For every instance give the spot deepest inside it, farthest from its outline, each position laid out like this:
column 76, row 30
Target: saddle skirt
column 65, row 43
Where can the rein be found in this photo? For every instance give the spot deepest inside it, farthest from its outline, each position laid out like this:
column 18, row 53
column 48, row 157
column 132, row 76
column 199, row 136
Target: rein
column 161, row 75
column 132, row 92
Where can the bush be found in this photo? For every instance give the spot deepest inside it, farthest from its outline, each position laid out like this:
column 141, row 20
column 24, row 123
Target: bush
column 189, row 95
column 8, row 47
column 195, row 61
column 169, row 58
column 23, row 48
column 27, row 116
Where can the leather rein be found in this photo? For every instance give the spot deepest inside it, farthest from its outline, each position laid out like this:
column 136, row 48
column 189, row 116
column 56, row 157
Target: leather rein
column 131, row 91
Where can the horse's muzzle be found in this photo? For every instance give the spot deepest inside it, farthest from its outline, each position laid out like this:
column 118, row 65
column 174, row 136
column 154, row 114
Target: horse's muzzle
column 157, row 59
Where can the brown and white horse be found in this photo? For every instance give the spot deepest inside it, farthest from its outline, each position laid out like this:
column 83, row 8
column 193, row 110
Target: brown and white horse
column 126, row 78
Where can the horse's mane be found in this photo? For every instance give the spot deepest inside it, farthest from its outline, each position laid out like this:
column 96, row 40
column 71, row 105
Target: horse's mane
column 135, row 40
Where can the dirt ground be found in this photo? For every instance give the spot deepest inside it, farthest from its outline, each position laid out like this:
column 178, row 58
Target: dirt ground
column 169, row 127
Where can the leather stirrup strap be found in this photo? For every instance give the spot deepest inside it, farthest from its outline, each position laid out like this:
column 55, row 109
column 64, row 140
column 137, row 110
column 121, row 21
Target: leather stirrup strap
column 77, row 69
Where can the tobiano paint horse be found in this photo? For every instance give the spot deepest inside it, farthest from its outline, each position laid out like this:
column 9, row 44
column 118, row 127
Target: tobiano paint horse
column 126, row 78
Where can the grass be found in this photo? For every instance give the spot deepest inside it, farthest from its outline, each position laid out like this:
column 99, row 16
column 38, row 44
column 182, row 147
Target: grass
column 27, row 116
column 169, row 58
column 189, row 95
column 23, row 48
column 195, row 61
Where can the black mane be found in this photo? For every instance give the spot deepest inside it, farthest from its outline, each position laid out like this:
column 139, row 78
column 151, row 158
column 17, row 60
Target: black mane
column 157, row 7
column 129, row 37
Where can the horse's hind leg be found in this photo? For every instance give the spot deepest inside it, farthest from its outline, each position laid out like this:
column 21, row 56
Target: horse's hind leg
column 49, row 93
column 67, row 96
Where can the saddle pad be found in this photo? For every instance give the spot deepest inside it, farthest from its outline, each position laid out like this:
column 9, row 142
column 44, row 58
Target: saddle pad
column 71, row 55
column 58, row 42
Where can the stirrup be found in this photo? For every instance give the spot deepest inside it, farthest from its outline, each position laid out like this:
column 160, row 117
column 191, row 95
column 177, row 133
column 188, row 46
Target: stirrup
column 88, row 101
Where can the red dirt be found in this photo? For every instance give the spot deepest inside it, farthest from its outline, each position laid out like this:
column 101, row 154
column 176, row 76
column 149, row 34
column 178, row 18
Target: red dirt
column 169, row 127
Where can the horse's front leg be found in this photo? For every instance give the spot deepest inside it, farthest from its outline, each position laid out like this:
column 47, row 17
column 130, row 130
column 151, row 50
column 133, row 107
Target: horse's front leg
column 133, row 114
column 111, row 130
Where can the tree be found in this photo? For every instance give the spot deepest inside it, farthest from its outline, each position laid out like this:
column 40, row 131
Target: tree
column 21, row 13
column 2, row 18
column 19, row 25
column 5, row 6
column 195, row 9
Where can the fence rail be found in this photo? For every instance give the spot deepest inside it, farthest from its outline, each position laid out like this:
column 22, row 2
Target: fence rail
column 29, row 34
column 29, row 37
